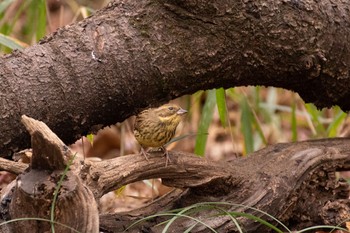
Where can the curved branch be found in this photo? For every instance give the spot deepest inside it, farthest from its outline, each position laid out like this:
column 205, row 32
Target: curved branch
column 284, row 180
column 13, row 167
column 190, row 171
column 185, row 171
column 275, row 180
column 134, row 54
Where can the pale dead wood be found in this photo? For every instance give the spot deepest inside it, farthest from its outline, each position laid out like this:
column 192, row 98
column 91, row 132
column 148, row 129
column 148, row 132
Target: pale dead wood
column 34, row 190
column 185, row 171
column 11, row 166
column 274, row 180
column 47, row 147
column 285, row 180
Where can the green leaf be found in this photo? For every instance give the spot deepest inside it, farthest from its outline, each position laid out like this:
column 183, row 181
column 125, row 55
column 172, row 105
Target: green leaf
column 207, row 116
column 57, row 189
column 322, row 227
column 333, row 128
column 4, row 4
column 257, row 219
column 256, row 94
column 7, row 27
column 41, row 19
column 315, row 117
column 221, row 103
column 9, row 42
column 180, row 138
column 246, row 127
column 258, row 127
column 231, row 93
column 119, row 191
column 294, row 123
column 90, row 138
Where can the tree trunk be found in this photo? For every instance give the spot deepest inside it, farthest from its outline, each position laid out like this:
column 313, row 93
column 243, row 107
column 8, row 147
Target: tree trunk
column 135, row 54
column 293, row 182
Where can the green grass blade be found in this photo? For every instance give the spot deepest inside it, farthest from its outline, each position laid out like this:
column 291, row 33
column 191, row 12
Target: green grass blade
column 257, row 219
column 248, row 207
column 315, row 116
column 258, row 127
column 323, row 227
column 266, row 109
column 200, row 207
column 37, row 219
column 246, row 127
column 221, row 103
column 53, row 204
column 232, row 94
column 41, row 19
column 333, row 128
column 272, row 99
column 7, row 27
column 195, row 208
column 181, row 137
column 9, row 42
column 90, row 138
column 256, row 93
column 207, row 116
column 169, row 214
column 189, row 230
column 294, row 123
column 176, row 216
column 4, row 4
column 35, row 27
column 233, row 219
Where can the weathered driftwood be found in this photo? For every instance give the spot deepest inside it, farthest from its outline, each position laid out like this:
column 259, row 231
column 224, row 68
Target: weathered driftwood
column 294, row 182
column 33, row 190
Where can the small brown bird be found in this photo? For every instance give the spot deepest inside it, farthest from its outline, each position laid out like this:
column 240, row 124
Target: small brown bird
column 155, row 127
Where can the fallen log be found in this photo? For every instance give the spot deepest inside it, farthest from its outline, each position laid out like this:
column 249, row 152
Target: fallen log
column 295, row 183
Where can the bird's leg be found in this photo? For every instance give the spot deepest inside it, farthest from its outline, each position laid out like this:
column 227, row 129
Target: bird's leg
column 144, row 153
column 166, row 155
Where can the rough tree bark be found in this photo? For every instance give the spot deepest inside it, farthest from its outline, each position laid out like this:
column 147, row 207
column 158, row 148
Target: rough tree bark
column 294, row 182
column 31, row 195
column 134, row 54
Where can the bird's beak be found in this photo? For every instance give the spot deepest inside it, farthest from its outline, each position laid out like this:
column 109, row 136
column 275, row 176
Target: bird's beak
column 181, row 111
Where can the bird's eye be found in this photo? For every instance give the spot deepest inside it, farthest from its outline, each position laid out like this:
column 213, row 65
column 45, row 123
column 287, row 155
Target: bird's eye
column 171, row 108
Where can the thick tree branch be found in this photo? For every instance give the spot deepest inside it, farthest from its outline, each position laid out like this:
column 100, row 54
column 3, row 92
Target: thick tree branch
column 286, row 181
column 134, row 54
column 185, row 171
column 279, row 180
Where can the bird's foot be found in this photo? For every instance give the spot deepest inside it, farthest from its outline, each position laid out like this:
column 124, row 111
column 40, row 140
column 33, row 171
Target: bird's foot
column 166, row 156
column 144, row 153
